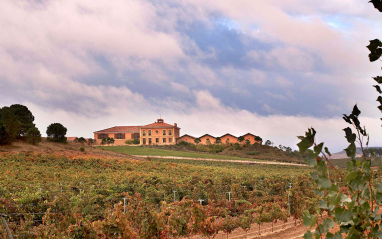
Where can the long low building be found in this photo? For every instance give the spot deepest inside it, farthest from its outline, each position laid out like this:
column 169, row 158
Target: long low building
column 161, row 133
column 224, row 139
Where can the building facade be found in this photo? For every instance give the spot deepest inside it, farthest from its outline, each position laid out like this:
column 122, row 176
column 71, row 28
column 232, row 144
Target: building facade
column 158, row 133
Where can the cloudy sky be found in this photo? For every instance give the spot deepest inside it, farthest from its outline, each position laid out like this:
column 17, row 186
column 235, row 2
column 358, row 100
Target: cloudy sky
column 271, row 67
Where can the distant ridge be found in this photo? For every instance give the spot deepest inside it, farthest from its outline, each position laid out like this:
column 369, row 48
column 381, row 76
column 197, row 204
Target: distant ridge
column 342, row 154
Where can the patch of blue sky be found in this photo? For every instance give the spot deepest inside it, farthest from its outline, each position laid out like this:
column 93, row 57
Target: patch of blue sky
column 227, row 43
column 340, row 23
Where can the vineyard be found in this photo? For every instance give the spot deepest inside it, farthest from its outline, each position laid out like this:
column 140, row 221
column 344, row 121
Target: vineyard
column 56, row 196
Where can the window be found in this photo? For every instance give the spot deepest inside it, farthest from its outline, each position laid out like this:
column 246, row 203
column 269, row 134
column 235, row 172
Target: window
column 164, row 140
column 144, row 141
column 156, row 131
column 135, row 135
column 102, row 136
column 144, row 133
column 157, row 140
column 119, row 136
column 170, row 140
column 164, row 132
column 149, row 132
column 150, row 140
column 169, row 132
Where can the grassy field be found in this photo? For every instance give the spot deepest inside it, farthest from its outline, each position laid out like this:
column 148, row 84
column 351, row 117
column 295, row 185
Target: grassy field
column 165, row 152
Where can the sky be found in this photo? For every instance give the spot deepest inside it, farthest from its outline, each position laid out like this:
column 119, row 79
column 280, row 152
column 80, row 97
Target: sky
column 272, row 68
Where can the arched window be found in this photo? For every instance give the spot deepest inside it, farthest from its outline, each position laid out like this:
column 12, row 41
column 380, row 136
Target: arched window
column 149, row 132
column 144, row 133
column 164, row 132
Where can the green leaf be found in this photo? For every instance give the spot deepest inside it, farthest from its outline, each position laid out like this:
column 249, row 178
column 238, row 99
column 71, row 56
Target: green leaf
column 307, row 141
column 310, row 159
column 349, row 135
column 379, row 187
column 343, row 216
column 378, row 88
column 309, row 220
column 351, row 176
column 318, row 149
column 327, row 151
column 374, row 44
column 379, row 99
column 378, row 197
column 350, row 150
column 356, row 111
column 308, row 235
column 347, row 119
column 328, row 224
column 378, row 79
column 324, row 182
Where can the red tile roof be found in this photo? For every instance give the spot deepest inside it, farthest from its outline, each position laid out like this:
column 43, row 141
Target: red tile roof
column 186, row 135
column 159, row 125
column 207, row 135
column 71, row 138
column 120, row 129
column 229, row 135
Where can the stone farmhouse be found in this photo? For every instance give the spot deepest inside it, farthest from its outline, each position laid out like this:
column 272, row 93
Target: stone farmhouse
column 161, row 133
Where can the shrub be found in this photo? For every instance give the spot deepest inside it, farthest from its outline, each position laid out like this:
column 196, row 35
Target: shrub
column 136, row 141
column 237, row 146
column 253, row 152
column 82, row 149
column 129, row 141
column 81, row 140
column 33, row 136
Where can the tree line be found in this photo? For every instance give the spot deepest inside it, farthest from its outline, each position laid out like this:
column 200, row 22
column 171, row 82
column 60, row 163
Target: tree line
column 17, row 124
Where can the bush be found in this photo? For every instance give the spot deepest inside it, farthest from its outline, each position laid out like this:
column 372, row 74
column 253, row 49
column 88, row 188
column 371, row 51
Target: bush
column 136, row 141
column 56, row 133
column 237, row 146
column 82, row 149
column 129, row 141
column 33, row 136
column 253, row 152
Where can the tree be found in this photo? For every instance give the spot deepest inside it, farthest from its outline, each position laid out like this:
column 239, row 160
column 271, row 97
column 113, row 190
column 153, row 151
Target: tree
column 56, row 133
column 268, row 142
column 107, row 140
column 218, row 140
column 90, row 141
column 197, row 141
column 81, row 140
column 3, row 132
column 258, row 139
column 11, row 124
column 25, row 117
column 247, row 142
column 33, row 136
column 241, row 139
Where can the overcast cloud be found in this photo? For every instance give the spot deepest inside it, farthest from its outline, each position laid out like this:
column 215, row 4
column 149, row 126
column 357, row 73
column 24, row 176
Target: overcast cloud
column 272, row 68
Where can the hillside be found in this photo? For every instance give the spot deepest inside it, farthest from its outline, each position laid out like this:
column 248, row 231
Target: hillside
column 251, row 152
column 69, row 149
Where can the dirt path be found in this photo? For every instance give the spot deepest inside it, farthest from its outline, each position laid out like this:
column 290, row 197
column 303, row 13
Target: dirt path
column 223, row 160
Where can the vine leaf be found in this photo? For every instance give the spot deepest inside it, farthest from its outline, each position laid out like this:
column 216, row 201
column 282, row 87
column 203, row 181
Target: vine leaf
column 377, row 4
column 378, row 88
column 374, row 48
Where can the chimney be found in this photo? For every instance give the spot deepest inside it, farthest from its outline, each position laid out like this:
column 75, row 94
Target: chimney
column 175, row 124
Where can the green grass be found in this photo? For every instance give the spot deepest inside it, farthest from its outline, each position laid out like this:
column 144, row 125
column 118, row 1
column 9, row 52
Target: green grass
column 165, row 152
